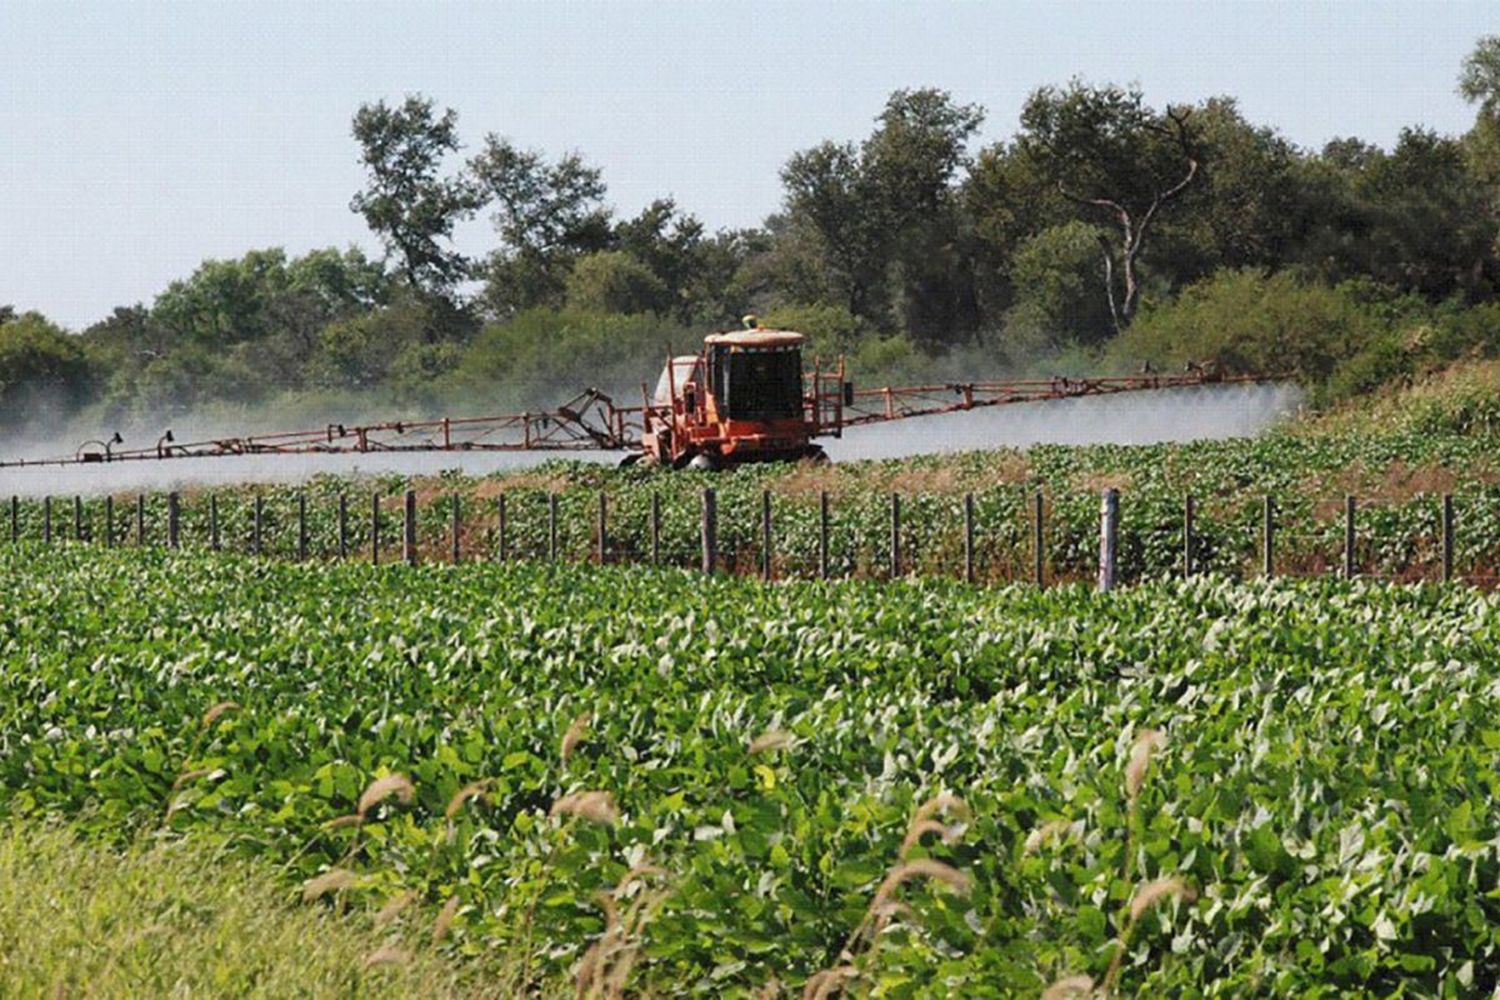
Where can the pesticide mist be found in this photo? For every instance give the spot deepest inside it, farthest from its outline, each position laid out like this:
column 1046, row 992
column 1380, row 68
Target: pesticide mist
column 1178, row 415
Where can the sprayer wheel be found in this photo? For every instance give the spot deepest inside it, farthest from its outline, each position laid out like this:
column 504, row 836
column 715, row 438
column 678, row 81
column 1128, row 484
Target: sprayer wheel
column 816, row 455
column 631, row 459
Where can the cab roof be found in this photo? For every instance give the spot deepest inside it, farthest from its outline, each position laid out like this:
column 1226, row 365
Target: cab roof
column 755, row 338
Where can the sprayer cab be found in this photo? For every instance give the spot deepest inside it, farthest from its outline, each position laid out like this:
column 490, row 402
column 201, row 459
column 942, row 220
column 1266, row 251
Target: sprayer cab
column 744, row 398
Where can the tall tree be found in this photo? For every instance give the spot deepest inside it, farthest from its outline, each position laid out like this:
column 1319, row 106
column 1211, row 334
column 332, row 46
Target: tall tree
column 409, row 202
column 1111, row 154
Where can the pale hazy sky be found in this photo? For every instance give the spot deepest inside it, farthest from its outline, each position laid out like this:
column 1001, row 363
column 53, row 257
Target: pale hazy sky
column 141, row 138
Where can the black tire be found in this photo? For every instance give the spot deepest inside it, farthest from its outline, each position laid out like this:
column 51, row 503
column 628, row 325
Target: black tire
column 816, row 455
column 631, row 459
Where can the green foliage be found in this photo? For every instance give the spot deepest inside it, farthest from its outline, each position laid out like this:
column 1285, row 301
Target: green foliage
column 1325, row 747
column 1059, row 298
column 613, row 281
column 43, row 371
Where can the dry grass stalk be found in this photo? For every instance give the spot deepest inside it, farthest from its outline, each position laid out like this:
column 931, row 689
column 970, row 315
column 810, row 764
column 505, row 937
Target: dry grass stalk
column 212, row 715
column 829, row 982
column 923, row 820
column 1069, row 986
column 947, row 834
column 605, row 968
column 775, row 739
column 473, row 790
column 577, row 730
column 189, row 776
column 387, row 954
column 339, row 822
column 393, row 907
column 596, row 807
column 444, row 920
column 1045, row 834
column 925, row 868
column 383, row 788
column 333, row 880
column 1146, row 742
column 1152, row 893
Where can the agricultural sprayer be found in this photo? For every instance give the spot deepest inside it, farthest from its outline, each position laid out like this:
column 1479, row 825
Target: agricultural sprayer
column 745, row 397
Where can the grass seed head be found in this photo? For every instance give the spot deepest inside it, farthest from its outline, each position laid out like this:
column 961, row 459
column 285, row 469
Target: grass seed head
column 921, row 868
column 444, row 919
column 187, row 777
column 212, row 715
column 942, row 804
column 829, row 982
column 1152, row 893
column 577, row 730
column 1146, row 742
column 774, row 739
column 473, row 790
column 596, row 807
column 387, row 954
column 1048, row 832
column 947, row 834
column 333, row 880
column 1068, row 987
column 383, row 788
column 339, row 822
column 393, row 907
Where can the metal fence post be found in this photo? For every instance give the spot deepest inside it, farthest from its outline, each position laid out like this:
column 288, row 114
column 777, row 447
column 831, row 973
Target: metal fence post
column 766, row 553
column 343, row 525
column 1268, row 537
column 501, row 542
column 79, row 532
column 1038, row 546
column 47, row 520
column 968, row 538
column 174, row 520
column 374, row 527
column 256, row 522
column 109, row 521
column 655, row 529
column 301, row 526
column 1447, row 537
column 552, row 527
column 457, row 553
column 409, row 529
column 710, row 530
column 1189, row 510
column 895, row 535
column 1109, row 538
column 15, row 519
column 213, row 522
column 823, row 563
column 1349, row 537
column 140, row 519
column 603, row 528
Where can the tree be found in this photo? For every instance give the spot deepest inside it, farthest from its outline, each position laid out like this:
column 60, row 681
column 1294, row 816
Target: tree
column 831, row 196
column 547, row 214
column 1056, row 274
column 1479, row 83
column 1111, row 154
column 409, row 203
column 671, row 245
column 44, row 373
column 613, row 281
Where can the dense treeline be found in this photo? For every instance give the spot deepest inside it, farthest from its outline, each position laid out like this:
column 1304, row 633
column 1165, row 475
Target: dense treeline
column 1103, row 235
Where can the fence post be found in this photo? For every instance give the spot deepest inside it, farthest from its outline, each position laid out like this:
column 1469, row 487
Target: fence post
column 968, row 538
column 895, row 535
column 15, row 519
column 1038, row 548
column 710, row 530
column 47, row 520
column 1189, row 510
column 603, row 526
column 823, row 566
column 374, row 527
column 256, row 519
column 1268, row 537
column 655, row 529
column 409, row 529
column 109, row 520
column 174, row 520
column 766, row 553
column 213, row 522
column 343, row 525
column 1109, row 537
column 1349, row 537
column 301, row 526
column 457, row 528
column 79, row 532
column 140, row 519
column 552, row 527
column 1447, row 537
column 501, row 543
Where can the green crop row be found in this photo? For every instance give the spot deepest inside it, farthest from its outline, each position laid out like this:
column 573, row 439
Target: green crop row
column 1198, row 788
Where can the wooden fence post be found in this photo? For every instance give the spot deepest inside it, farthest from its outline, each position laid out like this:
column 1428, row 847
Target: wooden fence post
column 710, row 530
column 15, row 519
column 655, row 529
column 1447, row 537
column 1349, row 567
column 47, row 520
column 968, row 538
column 1109, row 538
column 766, row 553
column 1189, row 510
column 409, row 529
column 603, row 529
column 552, row 527
column 109, row 520
column 501, row 542
column 257, row 519
column 1268, row 537
column 895, row 535
column 1038, row 543
column 374, row 527
column 301, row 526
column 174, row 520
column 343, row 525
column 823, row 564
column 457, row 553
column 80, row 533
column 213, row 522
column 140, row 519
